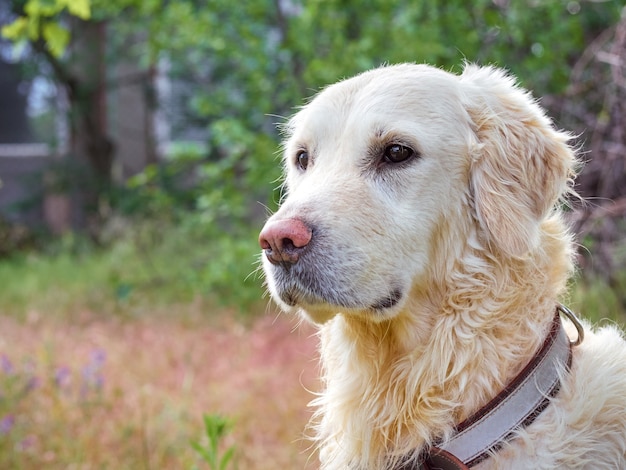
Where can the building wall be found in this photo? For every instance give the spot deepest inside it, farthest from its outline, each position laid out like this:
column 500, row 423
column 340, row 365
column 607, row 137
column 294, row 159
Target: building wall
column 21, row 182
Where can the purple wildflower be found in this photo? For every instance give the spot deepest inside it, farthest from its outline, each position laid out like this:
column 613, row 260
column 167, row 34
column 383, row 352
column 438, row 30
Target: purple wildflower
column 62, row 377
column 6, row 424
column 27, row 443
column 92, row 372
column 98, row 357
column 6, row 365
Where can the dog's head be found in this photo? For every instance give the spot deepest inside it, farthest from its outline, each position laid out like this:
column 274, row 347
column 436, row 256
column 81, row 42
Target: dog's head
column 395, row 170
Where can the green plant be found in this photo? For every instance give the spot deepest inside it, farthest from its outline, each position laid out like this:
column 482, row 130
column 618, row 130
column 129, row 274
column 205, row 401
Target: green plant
column 215, row 428
column 595, row 299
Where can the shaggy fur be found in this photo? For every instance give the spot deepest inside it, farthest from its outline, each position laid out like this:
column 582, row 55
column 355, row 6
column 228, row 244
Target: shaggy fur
column 434, row 280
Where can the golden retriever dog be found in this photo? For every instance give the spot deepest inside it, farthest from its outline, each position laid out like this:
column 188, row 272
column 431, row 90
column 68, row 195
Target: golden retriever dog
column 422, row 231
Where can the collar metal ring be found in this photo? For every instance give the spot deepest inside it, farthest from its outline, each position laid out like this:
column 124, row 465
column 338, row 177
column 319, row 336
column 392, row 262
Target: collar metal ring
column 572, row 317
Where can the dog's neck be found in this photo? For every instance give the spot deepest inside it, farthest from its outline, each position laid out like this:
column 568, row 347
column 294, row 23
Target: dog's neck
column 394, row 387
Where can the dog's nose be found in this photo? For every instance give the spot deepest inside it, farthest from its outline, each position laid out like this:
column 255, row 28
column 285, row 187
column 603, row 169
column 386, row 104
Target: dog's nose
column 284, row 240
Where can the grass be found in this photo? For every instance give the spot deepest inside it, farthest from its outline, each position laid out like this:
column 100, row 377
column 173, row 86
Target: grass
column 130, row 394
column 599, row 302
column 145, row 267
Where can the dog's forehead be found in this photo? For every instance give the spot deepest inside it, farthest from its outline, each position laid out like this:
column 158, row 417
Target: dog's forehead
column 376, row 98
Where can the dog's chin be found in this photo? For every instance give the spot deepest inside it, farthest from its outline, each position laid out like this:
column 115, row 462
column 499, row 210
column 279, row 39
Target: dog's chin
column 316, row 315
column 320, row 311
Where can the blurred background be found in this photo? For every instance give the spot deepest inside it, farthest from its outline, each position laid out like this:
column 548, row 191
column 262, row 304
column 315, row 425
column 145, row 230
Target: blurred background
column 139, row 156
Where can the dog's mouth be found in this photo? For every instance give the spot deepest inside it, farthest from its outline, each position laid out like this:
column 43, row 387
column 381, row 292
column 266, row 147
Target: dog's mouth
column 389, row 301
column 295, row 297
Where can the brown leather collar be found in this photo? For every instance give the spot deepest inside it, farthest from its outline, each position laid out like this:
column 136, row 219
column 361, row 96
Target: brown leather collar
column 517, row 406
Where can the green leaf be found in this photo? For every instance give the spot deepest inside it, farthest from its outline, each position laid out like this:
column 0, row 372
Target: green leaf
column 79, row 8
column 226, row 458
column 204, row 452
column 215, row 428
column 56, row 37
column 36, row 8
column 16, row 30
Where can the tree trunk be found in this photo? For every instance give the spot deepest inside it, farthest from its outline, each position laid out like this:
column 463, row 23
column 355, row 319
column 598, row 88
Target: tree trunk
column 88, row 171
column 90, row 141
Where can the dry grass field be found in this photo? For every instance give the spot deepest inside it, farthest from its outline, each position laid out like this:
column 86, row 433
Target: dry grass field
column 92, row 392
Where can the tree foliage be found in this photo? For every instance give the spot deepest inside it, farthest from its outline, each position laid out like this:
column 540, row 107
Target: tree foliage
column 39, row 21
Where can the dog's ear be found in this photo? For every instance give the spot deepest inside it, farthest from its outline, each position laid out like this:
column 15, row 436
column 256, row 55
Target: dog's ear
column 521, row 164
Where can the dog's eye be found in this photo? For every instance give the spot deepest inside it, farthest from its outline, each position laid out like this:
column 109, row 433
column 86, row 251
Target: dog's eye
column 302, row 159
column 396, row 153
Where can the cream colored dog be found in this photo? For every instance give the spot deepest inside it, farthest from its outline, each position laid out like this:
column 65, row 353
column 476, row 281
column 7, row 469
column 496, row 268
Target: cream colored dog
column 422, row 232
